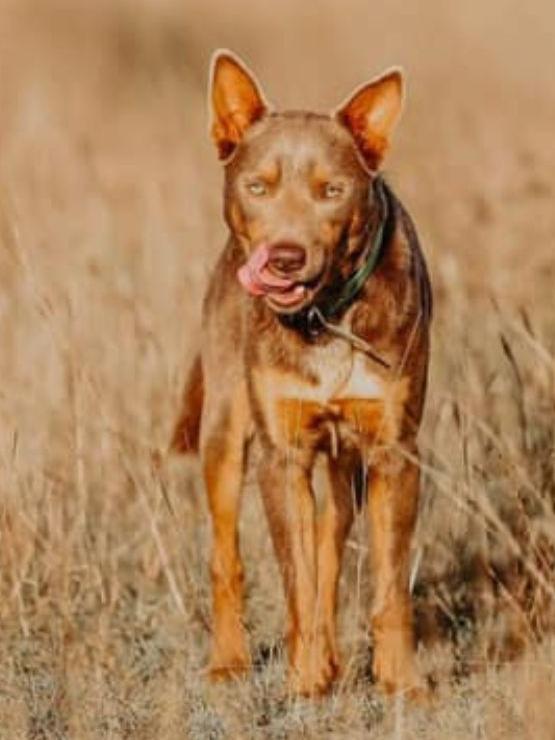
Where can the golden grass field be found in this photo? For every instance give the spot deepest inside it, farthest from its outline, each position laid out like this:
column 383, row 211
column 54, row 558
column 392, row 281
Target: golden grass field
column 109, row 223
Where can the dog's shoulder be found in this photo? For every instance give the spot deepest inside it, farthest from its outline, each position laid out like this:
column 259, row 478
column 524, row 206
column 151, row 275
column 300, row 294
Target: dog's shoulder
column 224, row 307
column 222, row 284
column 408, row 244
column 418, row 271
column 399, row 290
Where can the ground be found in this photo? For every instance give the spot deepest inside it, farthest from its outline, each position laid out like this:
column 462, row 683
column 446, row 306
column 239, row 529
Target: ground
column 110, row 218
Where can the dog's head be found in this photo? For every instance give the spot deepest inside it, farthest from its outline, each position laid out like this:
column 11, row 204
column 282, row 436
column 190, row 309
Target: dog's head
column 298, row 186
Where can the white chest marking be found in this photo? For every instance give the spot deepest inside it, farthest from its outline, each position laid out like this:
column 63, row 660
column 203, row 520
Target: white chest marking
column 331, row 365
column 363, row 382
column 342, row 373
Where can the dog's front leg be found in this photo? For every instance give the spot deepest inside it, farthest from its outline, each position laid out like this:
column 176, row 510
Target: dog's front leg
column 225, row 428
column 289, row 503
column 333, row 527
column 392, row 507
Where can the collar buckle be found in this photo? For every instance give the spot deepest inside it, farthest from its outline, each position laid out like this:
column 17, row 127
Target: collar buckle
column 314, row 323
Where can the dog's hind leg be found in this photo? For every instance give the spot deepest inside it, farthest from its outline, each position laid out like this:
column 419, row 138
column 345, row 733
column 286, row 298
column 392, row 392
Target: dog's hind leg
column 186, row 432
column 225, row 429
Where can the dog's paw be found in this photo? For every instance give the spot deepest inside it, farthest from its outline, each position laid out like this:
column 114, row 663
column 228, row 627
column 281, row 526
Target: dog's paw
column 396, row 674
column 314, row 678
column 227, row 668
column 231, row 661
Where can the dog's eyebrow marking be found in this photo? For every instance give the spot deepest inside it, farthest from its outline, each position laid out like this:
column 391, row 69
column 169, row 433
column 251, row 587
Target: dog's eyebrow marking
column 321, row 174
column 268, row 169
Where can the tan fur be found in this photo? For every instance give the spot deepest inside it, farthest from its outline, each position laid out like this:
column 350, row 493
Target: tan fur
column 303, row 395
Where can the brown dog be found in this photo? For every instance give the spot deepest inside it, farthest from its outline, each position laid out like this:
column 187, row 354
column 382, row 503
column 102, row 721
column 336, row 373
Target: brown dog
column 316, row 325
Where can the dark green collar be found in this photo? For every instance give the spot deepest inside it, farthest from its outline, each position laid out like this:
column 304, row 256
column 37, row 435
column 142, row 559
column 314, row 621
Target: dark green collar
column 355, row 282
column 319, row 317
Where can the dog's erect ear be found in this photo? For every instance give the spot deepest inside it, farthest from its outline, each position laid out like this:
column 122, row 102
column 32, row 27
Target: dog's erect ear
column 237, row 101
column 371, row 113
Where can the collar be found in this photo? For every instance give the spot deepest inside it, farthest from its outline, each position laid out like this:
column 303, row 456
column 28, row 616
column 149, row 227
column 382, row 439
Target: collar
column 354, row 284
column 315, row 319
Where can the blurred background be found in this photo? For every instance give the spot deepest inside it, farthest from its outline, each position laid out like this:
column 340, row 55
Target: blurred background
column 110, row 219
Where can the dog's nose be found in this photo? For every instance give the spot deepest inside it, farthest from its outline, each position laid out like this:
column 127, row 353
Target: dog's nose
column 286, row 257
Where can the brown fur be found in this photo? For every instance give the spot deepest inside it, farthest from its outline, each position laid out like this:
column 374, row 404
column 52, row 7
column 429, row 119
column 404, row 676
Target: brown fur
column 187, row 430
column 305, row 395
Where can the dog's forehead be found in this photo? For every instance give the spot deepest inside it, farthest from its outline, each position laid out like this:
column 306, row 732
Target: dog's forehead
column 301, row 139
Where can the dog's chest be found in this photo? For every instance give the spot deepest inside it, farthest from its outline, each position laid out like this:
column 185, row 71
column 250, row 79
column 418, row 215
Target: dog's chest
column 336, row 390
column 339, row 371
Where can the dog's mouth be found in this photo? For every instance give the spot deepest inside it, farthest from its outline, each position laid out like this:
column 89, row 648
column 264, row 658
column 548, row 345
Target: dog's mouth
column 283, row 294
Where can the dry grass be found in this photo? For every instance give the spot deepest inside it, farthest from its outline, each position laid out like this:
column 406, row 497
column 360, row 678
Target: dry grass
column 109, row 221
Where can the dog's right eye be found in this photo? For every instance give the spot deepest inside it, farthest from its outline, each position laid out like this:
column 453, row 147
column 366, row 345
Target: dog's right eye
column 257, row 188
column 332, row 190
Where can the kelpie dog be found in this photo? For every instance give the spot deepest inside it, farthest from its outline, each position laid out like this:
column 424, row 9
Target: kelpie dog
column 315, row 338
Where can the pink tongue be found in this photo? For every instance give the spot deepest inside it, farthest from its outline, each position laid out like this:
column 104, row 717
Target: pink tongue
column 255, row 277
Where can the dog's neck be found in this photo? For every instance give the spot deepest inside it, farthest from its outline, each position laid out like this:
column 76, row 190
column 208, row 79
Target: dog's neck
column 345, row 290
column 332, row 302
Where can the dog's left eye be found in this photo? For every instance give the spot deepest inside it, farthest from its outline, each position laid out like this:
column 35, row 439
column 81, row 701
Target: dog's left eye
column 257, row 188
column 332, row 190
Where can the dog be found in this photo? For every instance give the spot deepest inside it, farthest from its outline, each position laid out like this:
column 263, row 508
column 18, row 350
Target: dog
column 315, row 340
